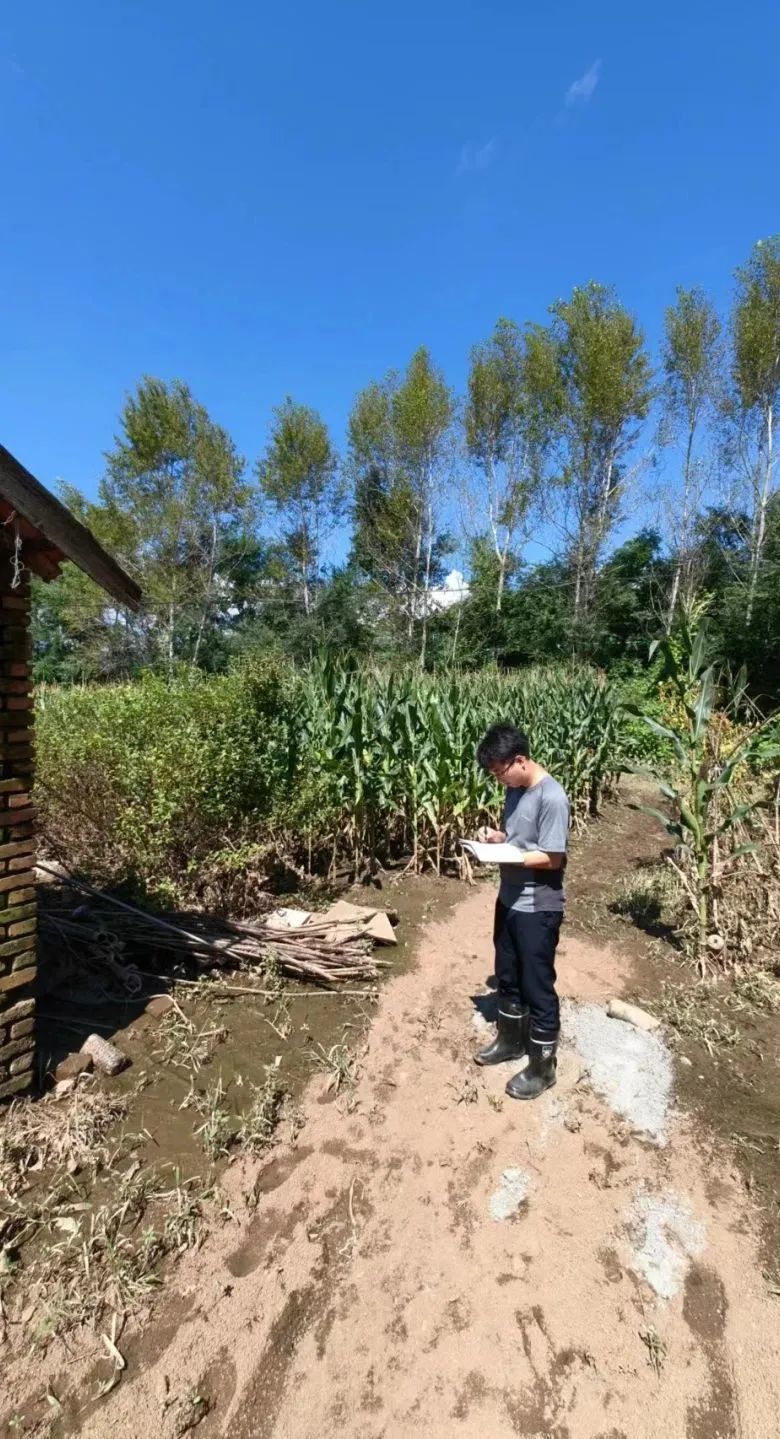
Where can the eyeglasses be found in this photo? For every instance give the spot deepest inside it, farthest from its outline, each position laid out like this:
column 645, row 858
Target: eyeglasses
column 499, row 773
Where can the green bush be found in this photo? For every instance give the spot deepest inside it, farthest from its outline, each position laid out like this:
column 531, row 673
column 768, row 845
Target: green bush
column 141, row 781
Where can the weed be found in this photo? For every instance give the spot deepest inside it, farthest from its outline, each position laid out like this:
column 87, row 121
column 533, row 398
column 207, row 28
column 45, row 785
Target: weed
column 690, row 1010
column 649, row 896
column 340, row 1065
column 260, row 1120
column 216, row 1132
column 182, row 1044
column 190, row 1411
column 656, row 1348
column 755, row 989
column 468, row 1093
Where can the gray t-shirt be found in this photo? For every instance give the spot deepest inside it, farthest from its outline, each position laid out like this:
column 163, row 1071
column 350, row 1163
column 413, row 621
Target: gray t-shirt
column 535, row 818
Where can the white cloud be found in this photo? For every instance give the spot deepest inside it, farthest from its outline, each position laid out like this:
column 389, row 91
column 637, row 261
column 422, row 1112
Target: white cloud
column 580, row 91
column 453, row 590
column 474, row 157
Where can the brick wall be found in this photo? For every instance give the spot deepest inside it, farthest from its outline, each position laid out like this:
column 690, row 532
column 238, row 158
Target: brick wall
column 17, row 889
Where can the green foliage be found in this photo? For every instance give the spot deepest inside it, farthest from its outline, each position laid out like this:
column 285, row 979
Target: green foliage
column 606, row 378
column 757, row 327
column 399, row 433
column 513, row 405
column 691, row 357
column 698, row 785
column 542, row 449
column 142, row 781
column 148, row 782
column 298, row 476
column 172, row 498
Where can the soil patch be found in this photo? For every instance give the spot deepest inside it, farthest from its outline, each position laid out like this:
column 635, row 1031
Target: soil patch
column 363, row 1284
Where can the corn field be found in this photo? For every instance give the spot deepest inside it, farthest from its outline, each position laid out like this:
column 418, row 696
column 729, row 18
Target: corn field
column 394, row 753
column 165, row 782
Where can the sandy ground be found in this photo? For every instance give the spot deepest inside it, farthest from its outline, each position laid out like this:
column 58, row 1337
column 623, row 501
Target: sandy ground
column 375, row 1289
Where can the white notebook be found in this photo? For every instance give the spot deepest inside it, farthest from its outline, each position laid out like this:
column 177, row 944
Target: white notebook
column 493, row 853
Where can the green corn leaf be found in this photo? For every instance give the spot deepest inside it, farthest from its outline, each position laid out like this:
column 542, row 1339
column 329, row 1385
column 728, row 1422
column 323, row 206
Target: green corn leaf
column 671, row 826
column 665, row 733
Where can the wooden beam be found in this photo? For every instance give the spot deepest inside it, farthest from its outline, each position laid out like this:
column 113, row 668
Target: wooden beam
column 54, row 520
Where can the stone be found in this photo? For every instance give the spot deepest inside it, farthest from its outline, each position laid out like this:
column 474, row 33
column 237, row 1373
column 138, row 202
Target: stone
column 159, row 1005
column 73, row 1066
column 108, row 1059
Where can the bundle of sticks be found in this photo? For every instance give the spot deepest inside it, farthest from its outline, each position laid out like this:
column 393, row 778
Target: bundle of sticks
column 118, row 937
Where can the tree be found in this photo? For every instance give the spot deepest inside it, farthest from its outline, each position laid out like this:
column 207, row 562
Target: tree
column 298, row 475
column 399, row 432
column 423, row 411
column 171, row 503
column 606, row 380
column 383, row 508
column 626, row 608
column 513, row 403
column 756, row 377
column 691, row 359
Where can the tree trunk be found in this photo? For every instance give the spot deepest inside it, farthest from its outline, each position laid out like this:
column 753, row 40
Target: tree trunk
column 427, row 585
column 456, row 635
column 171, row 628
column 759, row 519
column 502, row 565
column 415, row 574
column 673, row 598
column 209, row 596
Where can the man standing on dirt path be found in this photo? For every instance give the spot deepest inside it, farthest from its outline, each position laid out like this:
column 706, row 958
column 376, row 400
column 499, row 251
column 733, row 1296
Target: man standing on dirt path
column 529, row 910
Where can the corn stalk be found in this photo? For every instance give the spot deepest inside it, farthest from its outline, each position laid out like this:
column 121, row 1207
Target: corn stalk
column 705, row 811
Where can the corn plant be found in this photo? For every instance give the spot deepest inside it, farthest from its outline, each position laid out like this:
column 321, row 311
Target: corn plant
column 699, row 786
column 394, row 752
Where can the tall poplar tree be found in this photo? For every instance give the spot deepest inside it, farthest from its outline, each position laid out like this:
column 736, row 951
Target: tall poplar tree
column 691, row 363
column 756, row 377
column 512, row 408
column 298, row 476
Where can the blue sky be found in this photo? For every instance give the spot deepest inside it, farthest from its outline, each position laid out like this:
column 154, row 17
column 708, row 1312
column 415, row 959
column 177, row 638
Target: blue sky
column 266, row 203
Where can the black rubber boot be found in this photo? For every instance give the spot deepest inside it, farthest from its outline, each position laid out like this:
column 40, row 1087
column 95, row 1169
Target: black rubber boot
column 540, row 1072
column 511, row 1041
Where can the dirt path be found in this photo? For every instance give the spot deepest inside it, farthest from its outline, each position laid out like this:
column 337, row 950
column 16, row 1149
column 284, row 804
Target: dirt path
column 375, row 1290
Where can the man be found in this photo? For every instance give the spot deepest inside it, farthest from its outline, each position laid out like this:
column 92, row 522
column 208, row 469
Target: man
column 529, row 910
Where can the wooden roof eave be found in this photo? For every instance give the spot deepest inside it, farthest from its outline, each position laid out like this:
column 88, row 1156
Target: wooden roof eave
column 50, row 534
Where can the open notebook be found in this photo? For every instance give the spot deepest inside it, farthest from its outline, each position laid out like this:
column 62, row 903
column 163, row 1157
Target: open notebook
column 493, row 853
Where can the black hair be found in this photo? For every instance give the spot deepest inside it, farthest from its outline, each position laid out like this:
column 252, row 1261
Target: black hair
column 502, row 744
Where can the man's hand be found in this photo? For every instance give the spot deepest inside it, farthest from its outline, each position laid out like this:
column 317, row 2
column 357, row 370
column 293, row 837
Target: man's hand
column 490, row 836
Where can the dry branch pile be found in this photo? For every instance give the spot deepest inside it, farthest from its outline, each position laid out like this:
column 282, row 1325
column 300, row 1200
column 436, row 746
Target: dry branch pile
column 108, row 943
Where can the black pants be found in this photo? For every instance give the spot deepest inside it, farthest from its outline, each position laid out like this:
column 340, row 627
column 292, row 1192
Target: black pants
column 525, row 963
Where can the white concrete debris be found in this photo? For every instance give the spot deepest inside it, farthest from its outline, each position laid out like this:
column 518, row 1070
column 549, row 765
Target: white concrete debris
column 666, row 1237
column 512, row 1191
column 628, row 1067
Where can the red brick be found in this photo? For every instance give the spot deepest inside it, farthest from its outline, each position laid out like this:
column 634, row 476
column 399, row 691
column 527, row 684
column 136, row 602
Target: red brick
column 17, row 978
column 25, row 1061
column 17, row 879
column 14, row 1086
column 21, row 1010
column 17, row 1046
column 26, row 926
column 26, row 956
column 14, row 946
